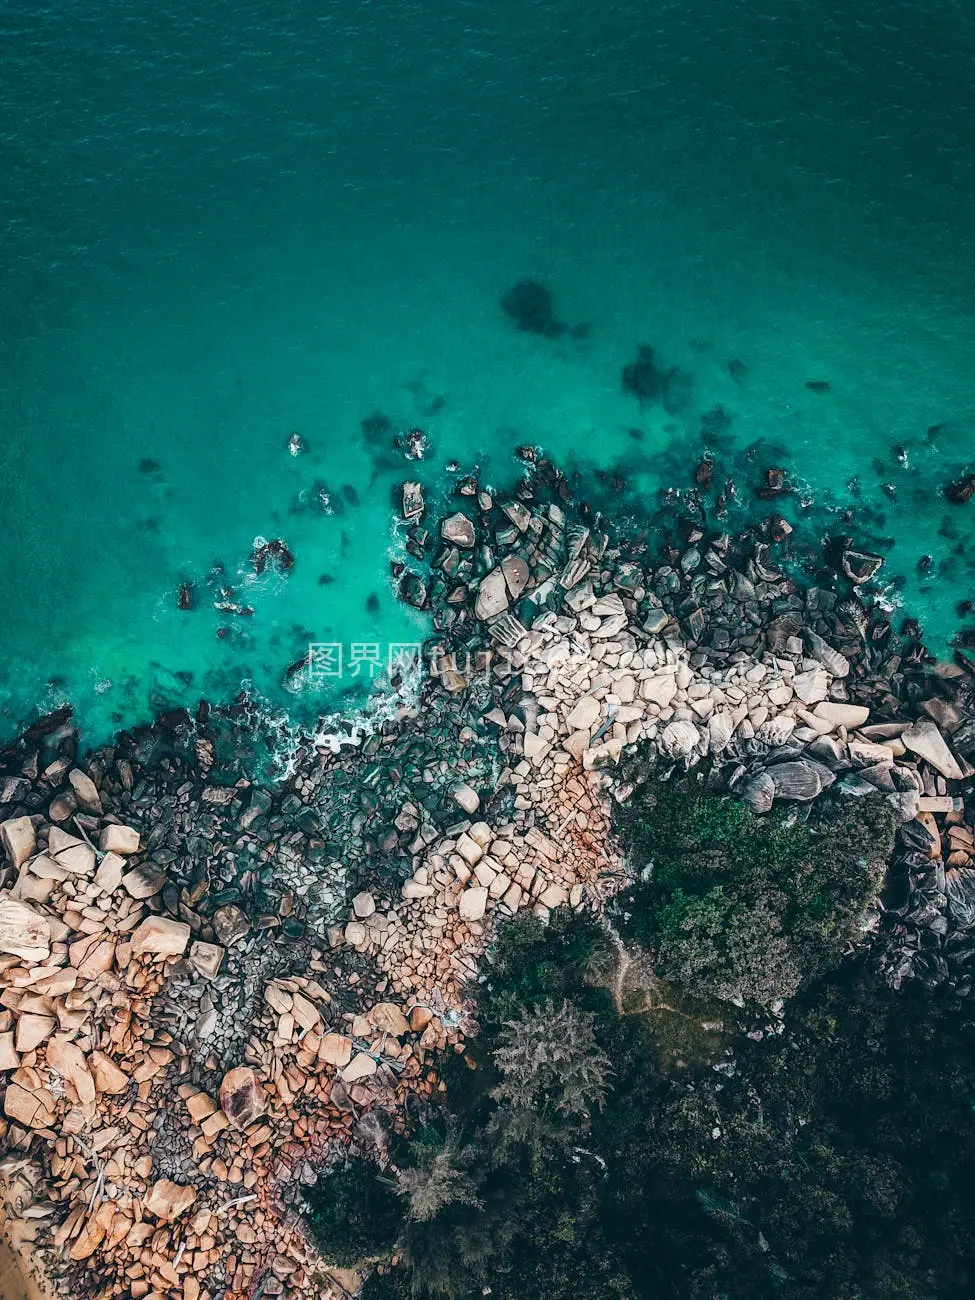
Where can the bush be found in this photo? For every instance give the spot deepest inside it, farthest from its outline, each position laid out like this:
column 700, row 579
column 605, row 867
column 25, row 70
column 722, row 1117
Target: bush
column 738, row 906
column 830, row 1160
column 354, row 1214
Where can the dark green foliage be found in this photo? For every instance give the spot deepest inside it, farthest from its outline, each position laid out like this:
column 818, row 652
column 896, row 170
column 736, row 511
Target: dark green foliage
column 741, row 906
column 830, row 1161
column 354, row 1214
column 395, row 1284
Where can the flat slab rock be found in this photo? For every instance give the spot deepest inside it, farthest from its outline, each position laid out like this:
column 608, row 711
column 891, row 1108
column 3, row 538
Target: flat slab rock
column 925, row 740
column 24, row 932
column 801, row 781
column 492, row 595
column 19, row 839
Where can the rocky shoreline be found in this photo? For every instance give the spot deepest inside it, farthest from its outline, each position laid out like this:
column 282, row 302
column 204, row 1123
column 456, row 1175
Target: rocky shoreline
column 213, row 991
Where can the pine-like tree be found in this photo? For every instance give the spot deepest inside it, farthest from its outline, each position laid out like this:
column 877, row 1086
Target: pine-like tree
column 549, row 1060
column 438, row 1178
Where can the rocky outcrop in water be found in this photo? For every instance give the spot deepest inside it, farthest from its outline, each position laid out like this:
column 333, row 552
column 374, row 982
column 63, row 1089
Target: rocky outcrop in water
column 212, row 989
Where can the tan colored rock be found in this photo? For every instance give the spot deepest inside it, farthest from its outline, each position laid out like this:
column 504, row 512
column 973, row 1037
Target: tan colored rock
column 119, row 839
column 241, row 1097
column 925, row 740
column 514, row 897
column 553, row 896
column 481, row 834
column 277, row 998
column 31, row 1109
column 109, row 874
column 85, row 790
column 362, row 1066
column 364, row 905
column 214, row 1125
column 9, row 1059
column 535, row 747
column 335, row 1049
column 388, row 1018
column 584, row 715
column 420, row 1017
column 32, row 1030
column 305, row 1012
column 92, row 955
column 206, row 958
column 71, row 852
column 46, row 868
column 200, row 1107
column 69, row 1061
column 355, row 934
column 811, row 686
column 472, row 904
column 19, row 839
column 576, row 744
column 93, row 1233
column 467, row 798
column 107, row 1075
column 836, row 714
column 413, row 890
column 659, row 690
column 168, row 1200
column 24, row 932
column 469, row 850
column 144, row 881
column 161, row 936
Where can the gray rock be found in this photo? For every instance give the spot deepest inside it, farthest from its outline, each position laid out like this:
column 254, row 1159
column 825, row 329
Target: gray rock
column 230, row 924
column 458, row 530
column 823, row 653
column 860, row 566
column 413, row 503
column 144, row 881
column 516, row 574
column 925, row 740
column 801, row 781
column 492, row 595
column 759, row 793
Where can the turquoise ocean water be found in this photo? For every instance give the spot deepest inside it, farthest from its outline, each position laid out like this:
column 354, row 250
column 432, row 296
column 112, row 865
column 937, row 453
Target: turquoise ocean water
column 223, row 224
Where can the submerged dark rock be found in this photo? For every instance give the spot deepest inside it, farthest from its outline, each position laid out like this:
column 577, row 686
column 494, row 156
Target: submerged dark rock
column 376, row 428
column 529, row 307
column 773, row 486
column 961, row 490
column 272, row 555
column 651, row 385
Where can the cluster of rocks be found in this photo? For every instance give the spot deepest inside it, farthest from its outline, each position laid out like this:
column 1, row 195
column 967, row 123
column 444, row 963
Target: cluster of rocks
column 714, row 653
column 212, row 991
column 161, row 1186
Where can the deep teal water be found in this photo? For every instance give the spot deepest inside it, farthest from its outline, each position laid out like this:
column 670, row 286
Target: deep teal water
column 220, row 224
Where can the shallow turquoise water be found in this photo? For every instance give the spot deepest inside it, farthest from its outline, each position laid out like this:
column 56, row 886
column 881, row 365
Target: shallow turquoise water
column 220, row 225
